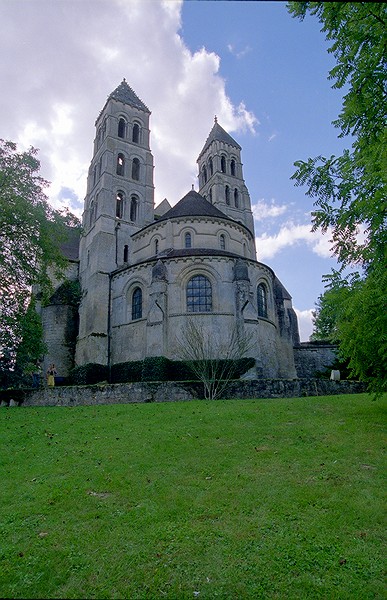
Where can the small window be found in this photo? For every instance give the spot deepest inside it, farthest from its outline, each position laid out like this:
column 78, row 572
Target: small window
column 136, row 169
column 262, row 300
column 211, row 195
column 236, row 198
column 211, row 165
column 187, row 240
column 121, row 165
column 222, row 242
column 232, row 167
column 119, row 205
column 199, row 294
column 137, row 304
column 121, row 128
column 204, row 174
column 133, row 208
column 223, row 164
column 136, row 134
column 91, row 213
column 156, row 246
column 227, row 194
column 126, row 253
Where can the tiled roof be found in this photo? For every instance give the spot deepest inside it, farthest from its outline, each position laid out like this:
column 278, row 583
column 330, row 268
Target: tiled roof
column 193, row 205
column 218, row 134
column 124, row 93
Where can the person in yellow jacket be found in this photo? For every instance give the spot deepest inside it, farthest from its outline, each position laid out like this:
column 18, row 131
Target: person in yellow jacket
column 51, row 372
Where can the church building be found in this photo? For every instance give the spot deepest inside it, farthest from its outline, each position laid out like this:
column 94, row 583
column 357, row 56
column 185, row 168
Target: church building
column 144, row 271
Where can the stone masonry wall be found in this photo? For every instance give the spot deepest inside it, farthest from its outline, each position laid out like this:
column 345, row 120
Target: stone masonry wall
column 126, row 393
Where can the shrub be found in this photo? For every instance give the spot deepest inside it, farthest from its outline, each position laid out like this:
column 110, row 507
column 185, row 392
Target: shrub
column 88, row 374
column 127, row 371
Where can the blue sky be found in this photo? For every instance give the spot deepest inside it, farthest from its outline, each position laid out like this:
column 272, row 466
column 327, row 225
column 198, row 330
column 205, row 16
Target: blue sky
column 262, row 72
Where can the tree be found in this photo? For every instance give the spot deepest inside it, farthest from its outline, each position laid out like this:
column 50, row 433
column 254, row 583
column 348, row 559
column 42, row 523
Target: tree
column 31, row 233
column 350, row 190
column 214, row 363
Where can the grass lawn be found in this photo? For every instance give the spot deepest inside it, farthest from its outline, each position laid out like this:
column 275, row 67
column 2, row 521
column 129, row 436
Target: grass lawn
column 233, row 499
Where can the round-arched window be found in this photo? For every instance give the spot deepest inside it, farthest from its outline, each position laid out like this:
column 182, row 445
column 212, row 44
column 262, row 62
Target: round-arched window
column 262, row 300
column 137, row 304
column 199, row 294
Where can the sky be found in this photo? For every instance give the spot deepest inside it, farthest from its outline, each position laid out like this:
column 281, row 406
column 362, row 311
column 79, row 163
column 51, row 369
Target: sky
column 260, row 71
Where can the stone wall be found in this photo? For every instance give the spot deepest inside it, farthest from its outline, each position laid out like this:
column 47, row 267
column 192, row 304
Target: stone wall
column 126, row 393
column 314, row 357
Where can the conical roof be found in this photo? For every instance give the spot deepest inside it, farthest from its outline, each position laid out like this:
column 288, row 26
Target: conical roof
column 124, row 93
column 218, row 134
column 193, row 205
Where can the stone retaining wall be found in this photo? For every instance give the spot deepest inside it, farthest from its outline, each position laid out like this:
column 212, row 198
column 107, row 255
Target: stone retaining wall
column 126, row 393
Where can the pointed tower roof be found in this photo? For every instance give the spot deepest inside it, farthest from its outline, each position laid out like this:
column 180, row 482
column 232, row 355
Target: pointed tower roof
column 124, row 93
column 218, row 134
column 193, row 205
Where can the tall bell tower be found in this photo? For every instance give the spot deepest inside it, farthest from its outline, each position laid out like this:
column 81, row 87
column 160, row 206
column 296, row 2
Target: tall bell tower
column 221, row 176
column 119, row 201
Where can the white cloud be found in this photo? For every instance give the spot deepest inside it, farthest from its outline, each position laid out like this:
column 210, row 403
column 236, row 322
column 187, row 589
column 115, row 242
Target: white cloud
column 291, row 234
column 60, row 63
column 305, row 323
column 238, row 53
column 264, row 210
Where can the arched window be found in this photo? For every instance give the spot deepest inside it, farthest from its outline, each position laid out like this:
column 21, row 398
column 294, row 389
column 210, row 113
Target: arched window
column 133, row 208
column 137, row 304
column 126, row 253
column 236, row 198
column 91, row 213
column 232, row 167
column 121, row 128
column 156, row 246
column 211, row 165
column 119, row 205
column 227, row 194
column 222, row 242
column 223, row 164
column 262, row 300
column 136, row 169
column 204, row 174
column 188, row 240
column 136, row 133
column 121, row 165
column 199, row 294
column 211, row 195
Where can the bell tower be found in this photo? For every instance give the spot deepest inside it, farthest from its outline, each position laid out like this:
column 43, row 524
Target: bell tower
column 221, row 176
column 119, row 201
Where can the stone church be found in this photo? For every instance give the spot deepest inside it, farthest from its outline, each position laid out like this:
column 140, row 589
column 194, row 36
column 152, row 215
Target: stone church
column 145, row 270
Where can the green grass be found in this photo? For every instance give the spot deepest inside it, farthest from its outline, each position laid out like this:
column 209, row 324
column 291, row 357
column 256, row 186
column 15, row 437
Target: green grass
column 225, row 499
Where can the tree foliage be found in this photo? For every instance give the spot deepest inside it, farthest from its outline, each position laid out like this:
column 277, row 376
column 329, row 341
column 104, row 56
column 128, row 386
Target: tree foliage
column 31, row 233
column 350, row 191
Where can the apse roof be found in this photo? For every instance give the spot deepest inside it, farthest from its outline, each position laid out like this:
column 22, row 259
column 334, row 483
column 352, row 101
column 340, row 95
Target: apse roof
column 124, row 93
column 193, row 205
column 218, row 134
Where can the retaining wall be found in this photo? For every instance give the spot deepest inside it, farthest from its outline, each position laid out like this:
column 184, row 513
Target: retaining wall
column 126, row 393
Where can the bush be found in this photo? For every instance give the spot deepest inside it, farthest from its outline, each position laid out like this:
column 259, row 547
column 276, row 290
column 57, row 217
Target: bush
column 89, row 374
column 127, row 372
column 155, row 368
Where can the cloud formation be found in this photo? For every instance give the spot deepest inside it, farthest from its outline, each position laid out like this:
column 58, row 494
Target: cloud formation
column 305, row 323
column 60, row 61
column 291, row 234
